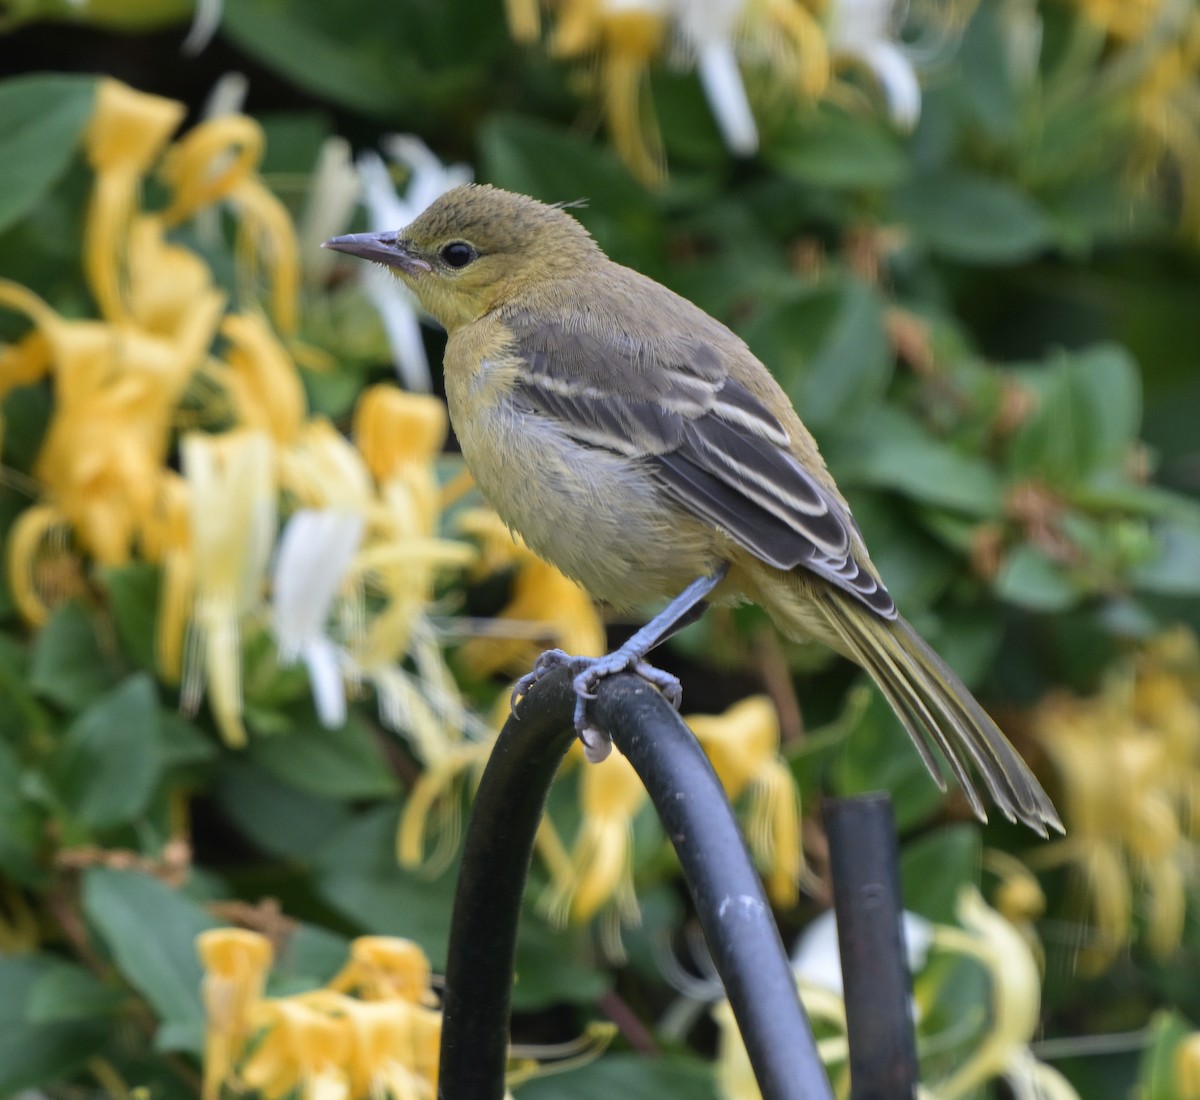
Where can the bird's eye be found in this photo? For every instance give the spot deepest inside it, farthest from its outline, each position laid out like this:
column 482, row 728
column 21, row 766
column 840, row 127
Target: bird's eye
column 458, row 253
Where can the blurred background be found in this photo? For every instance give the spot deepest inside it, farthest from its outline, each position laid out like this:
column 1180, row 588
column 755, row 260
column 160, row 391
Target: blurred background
column 257, row 629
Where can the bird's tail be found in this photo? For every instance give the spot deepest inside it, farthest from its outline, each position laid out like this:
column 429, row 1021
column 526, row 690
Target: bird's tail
column 937, row 709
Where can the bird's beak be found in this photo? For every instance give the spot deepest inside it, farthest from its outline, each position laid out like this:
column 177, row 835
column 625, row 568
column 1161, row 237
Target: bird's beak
column 384, row 248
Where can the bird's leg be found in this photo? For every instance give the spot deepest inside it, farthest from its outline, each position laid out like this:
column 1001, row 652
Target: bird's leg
column 683, row 610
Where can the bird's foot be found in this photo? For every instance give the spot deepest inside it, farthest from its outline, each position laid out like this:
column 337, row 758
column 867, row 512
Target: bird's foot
column 588, row 672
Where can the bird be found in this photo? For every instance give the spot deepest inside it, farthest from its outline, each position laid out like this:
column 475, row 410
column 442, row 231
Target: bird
column 637, row 444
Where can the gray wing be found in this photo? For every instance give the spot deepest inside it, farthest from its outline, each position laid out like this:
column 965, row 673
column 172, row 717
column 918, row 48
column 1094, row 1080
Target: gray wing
column 716, row 449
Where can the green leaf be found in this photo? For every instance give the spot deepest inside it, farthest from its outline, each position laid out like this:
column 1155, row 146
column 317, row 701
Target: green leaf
column 20, row 823
column 67, row 666
column 835, row 149
column 133, row 596
column 1030, row 578
column 555, row 966
column 38, row 1053
column 311, row 956
column 1174, row 570
column 557, row 165
column 111, row 758
column 972, row 218
column 278, row 818
column 27, row 411
column 68, row 992
column 151, row 931
column 935, row 868
column 630, row 1077
column 182, row 744
column 345, row 763
column 828, row 349
column 878, row 756
column 1087, row 417
column 356, row 872
column 41, row 119
column 890, row 450
column 396, row 62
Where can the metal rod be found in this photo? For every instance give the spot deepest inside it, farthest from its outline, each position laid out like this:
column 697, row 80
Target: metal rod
column 864, row 866
column 729, row 898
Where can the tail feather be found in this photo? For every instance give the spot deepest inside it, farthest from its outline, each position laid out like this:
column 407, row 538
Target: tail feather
column 937, row 709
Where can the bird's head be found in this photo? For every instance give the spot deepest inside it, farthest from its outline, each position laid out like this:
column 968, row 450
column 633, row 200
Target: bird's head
column 475, row 248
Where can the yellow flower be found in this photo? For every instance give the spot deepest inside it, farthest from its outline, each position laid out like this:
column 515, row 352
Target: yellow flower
column 262, row 381
column 1127, row 20
column 116, row 387
column 1015, row 1007
column 322, row 1044
column 217, row 161
column 385, row 968
column 1129, row 760
column 306, row 1047
column 236, row 963
column 610, row 795
column 546, row 607
column 1187, row 1067
column 399, row 434
column 743, row 745
column 625, row 37
column 231, row 487
column 127, row 133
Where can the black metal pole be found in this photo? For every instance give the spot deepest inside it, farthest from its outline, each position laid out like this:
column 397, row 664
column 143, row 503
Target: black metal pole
column 864, row 866
column 733, row 910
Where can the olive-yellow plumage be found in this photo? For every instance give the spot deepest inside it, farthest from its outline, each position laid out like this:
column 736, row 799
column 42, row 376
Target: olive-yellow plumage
column 637, row 444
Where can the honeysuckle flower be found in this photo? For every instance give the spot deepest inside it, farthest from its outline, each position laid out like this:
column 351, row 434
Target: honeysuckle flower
column 321, row 469
column 333, row 194
column 385, row 968
column 861, row 31
column 626, row 36
column 610, row 795
column 217, row 161
column 325, row 1043
column 264, row 387
column 231, row 492
column 1015, row 1007
column 126, row 135
column 236, row 963
column 544, row 602
column 743, row 745
column 709, row 28
column 205, row 22
column 428, row 178
column 314, row 556
column 116, row 388
column 1018, row 897
column 305, row 1048
column 1129, row 764
column 1187, row 1067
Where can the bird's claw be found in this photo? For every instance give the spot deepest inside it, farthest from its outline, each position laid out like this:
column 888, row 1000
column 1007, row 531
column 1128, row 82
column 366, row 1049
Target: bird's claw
column 589, row 671
column 666, row 683
column 546, row 662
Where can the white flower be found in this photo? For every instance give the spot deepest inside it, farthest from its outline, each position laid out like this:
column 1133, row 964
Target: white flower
column 707, row 27
column 386, row 210
column 314, row 555
column 205, row 22
column 332, row 196
column 862, row 30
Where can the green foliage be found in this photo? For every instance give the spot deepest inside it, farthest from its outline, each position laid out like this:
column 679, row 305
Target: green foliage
column 41, row 120
column 987, row 326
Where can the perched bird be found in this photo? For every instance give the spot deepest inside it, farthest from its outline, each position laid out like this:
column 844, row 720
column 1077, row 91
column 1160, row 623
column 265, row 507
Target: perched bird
column 637, row 444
